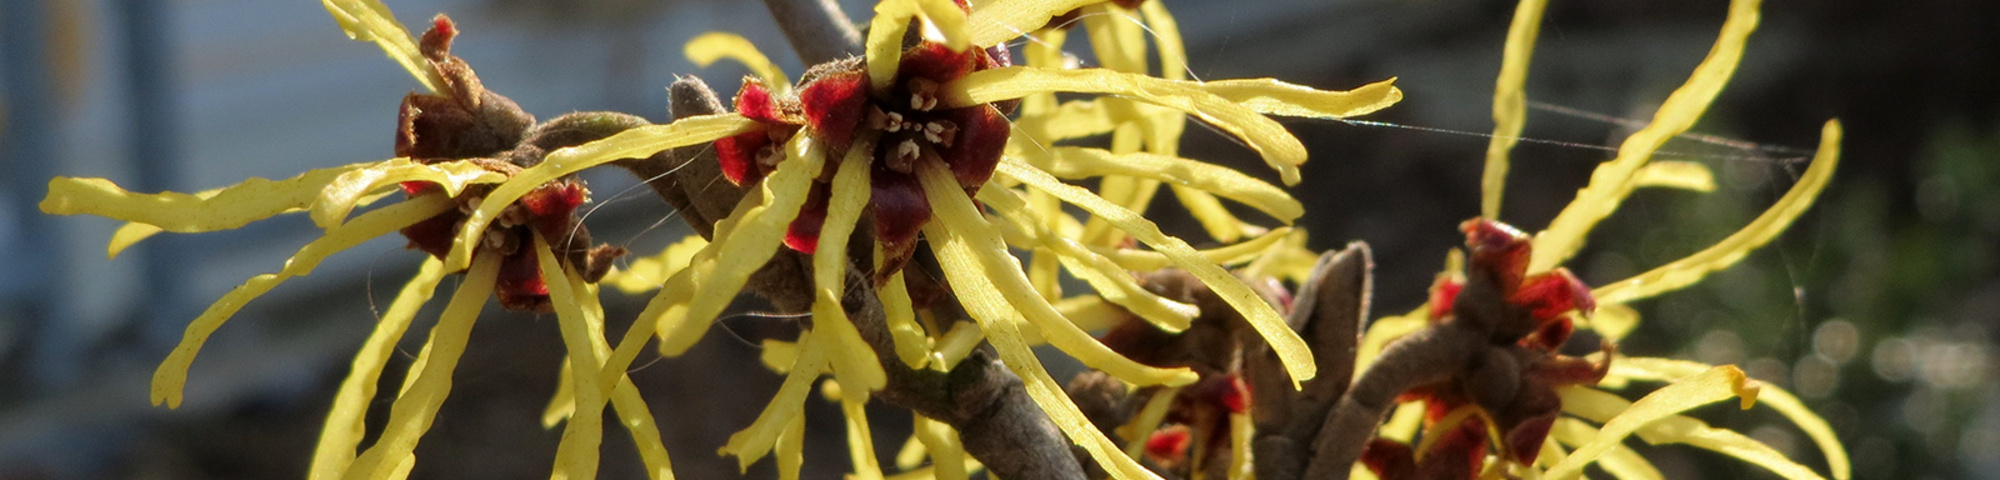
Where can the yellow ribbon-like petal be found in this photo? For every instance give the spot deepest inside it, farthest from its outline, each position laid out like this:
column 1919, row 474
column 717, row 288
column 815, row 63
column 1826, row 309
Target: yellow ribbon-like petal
column 563, row 404
column 414, row 410
column 1079, row 162
column 1001, row 282
column 647, row 273
column 860, row 444
column 1112, row 282
column 638, row 142
column 947, row 454
column 884, row 46
column 854, row 361
column 1663, row 369
column 1767, row 226
column 786, row 406
column 1611, row 182
column 1510, row 102
column 754, row 237
column 1602, row 406
column 370, row 21
column 1621, row 461
column 791, row 449
column 172, row 373
column 967, row 275
column 709, row 47
column 1279, row 148
column 1167, row 36
column 576, row 454
column 344, row 422
column 1708, row 387
column 1072, row 119
column 1674, row 174
column 1232, row 254
column 1274, row 97
column 1290, row 348
column 222, row 209
column 342, row 194
column 901, row 316
column 1003, row 20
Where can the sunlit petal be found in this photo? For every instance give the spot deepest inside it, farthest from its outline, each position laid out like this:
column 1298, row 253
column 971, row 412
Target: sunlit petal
column 227, row 208
column 1765, row 227
column 1003, row 20
column 1290, row 348
column 342, row 194
column 647, row 273
column 706, row 49
column 1274, row 97
column 1000, row 276
column 1669, row 370
column 414, row 410
column 1078, row 162
column 172, row 373
column 576, row 454
column 370, row 21
column 1621, row 461
column 1675, row 174
column 786, row 406
column 1600, row 406
column 1279, row 148
column 1708, row 387
column 344, row 422
column 1510, row 102
column 854, row 361
column 1112, row 282
column 1611, row 182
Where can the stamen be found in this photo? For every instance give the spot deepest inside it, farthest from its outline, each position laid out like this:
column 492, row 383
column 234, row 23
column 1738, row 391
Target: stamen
column 906, row 156
column 923, row 94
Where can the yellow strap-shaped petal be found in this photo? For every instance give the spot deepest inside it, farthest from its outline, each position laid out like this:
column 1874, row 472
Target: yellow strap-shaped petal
column 638, row 142
column 787, row 405
column 1765, row 227
column 370, row 21
column 1072, row 119
column 1290, row 348
column 577, row 452
column 754, row 238
column 1215, row 218
column 884, row 45
column 854, row 361
column 901, row 316
column 1708, row 387
column 705, row 49
column 1002, row 282
column 791, row 449
column 1510, row 102
column 1273, row 97
column 1148, row 420
column 414, row 410
column 1278, row 147
column 860, row 444
column 1614, row 321
column 1117, row 37
column 1112, row 282
column 1079, row 162
column 1233, row 254
column 1665, row 369
column 1003, row 20
column 344, row 425
column 1611, row 182
column 1167, row 36
column 967, row 275
column 563, row 404
column 340, row 196
column 1600, row 406
column 1404, row 423
column 631, row 408
column 1621, row 461
column 172, row 373
column 947, row 454
column 647, row 273
column 230, row 207
column 1674, row 174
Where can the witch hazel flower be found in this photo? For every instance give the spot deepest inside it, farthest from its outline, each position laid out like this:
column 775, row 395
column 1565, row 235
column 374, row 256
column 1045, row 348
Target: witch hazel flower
column 1530, row 413
column 459, row 146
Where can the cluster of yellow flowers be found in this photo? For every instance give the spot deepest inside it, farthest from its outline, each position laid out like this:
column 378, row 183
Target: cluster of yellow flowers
column 916, row 139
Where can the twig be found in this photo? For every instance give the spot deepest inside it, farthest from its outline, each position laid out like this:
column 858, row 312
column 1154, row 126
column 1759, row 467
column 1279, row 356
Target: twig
column 817, row 29
column 1330, row 309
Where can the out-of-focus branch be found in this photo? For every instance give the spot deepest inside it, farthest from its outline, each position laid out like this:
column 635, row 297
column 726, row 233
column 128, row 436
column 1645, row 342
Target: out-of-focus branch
column 1328, row 313
column 817, row 29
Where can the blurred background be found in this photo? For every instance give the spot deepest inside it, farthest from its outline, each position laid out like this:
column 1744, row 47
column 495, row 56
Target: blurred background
column 1881, row 307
